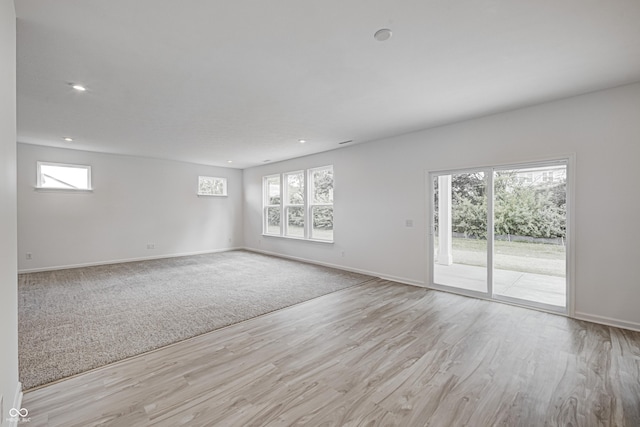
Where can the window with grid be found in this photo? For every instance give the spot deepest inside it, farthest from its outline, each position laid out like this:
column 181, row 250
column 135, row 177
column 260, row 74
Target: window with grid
column 299, row 204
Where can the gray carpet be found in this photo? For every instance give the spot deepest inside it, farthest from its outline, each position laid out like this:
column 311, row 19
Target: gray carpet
column 74, row 320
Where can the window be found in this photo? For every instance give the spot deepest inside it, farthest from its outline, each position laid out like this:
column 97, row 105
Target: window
column 212, row 186
column 304, row 199
column 272, row 215
column 63, row 176
column 321, row 203
column 294, row 204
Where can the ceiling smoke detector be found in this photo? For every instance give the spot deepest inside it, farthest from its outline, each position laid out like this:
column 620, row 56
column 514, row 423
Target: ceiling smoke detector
column 382, row 34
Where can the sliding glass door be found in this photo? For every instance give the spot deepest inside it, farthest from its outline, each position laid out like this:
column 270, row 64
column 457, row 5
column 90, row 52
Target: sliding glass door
column 501, row 233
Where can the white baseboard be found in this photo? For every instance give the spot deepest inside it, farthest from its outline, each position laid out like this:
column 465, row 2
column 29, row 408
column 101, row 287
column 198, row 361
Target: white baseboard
column 607, row 321
column 119, row 261
column 402, row 280
column 17, row 404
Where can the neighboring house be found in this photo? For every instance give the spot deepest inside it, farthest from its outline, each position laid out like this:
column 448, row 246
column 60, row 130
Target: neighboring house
column 543, row 175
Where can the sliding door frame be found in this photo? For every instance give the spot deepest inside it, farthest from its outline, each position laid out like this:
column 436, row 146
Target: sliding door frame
column 569, row 162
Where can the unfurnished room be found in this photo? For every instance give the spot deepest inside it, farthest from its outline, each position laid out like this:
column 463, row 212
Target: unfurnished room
column 357, row 213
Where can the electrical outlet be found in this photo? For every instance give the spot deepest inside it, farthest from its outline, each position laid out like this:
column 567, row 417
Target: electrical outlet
column 151, row 245
column 342, row 254
column 29, row 255
column 409, row 223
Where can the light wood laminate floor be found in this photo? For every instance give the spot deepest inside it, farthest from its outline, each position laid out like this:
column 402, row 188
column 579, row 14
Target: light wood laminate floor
column 380, row 354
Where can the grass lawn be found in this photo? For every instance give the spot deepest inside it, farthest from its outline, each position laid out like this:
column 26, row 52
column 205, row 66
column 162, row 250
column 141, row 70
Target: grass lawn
column 295, row 231
column 525, row 249
column 537, row 258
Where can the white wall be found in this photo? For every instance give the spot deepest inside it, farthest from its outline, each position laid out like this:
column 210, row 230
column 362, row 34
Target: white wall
column 135, row 201
column 381, row 184
column 8, row 261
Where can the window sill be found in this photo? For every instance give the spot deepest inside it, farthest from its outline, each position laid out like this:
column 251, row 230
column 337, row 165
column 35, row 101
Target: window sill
column 301, row 239
column 211, row 195
column 62, row 190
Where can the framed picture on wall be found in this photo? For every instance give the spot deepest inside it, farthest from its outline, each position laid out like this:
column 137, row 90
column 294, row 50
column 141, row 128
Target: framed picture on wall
column 212, row 186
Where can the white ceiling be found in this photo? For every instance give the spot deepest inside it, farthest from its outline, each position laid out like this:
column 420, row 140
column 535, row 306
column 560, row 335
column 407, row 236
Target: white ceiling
column 209, row 81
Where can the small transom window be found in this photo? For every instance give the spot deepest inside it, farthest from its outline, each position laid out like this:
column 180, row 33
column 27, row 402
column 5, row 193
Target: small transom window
column 212, row 186
column 63, row 176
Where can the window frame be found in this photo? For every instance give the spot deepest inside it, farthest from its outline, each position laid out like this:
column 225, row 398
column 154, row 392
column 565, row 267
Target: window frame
column 39, row 179
column 285, row 204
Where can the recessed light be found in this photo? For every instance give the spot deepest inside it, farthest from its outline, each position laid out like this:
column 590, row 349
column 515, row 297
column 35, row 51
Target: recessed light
column 229, row 161
column 66, row 138
column 382, row 34
column 79, row 88
column 302, row 141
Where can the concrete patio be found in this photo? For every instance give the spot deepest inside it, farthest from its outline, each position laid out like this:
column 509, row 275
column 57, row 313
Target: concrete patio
column 526, row 286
